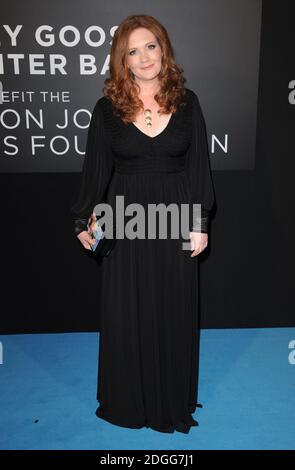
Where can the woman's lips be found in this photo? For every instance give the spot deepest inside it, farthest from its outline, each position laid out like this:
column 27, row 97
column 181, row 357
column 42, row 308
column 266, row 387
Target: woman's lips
column 148, row 67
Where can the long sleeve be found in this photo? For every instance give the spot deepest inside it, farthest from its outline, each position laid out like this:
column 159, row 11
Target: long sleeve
column 96, row 171
column 199, row 171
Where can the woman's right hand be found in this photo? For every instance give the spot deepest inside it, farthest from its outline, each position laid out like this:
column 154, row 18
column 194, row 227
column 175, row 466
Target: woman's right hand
column 86, row 239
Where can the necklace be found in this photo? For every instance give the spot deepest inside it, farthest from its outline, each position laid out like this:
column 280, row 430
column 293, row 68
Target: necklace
column 148, row 117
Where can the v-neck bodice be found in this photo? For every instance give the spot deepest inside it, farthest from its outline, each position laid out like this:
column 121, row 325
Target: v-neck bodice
column 161, row 132
column 128, row 142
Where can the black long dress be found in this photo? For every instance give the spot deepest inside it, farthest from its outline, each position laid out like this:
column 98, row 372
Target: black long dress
column 149, row 336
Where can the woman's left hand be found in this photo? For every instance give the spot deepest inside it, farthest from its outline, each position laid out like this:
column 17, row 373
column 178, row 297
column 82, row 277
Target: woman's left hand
column 199, row 242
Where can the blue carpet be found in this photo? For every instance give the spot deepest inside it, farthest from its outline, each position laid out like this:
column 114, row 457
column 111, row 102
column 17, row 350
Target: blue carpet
column 247, row 385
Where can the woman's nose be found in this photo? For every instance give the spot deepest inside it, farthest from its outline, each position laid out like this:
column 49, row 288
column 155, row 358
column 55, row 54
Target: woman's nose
column 144, row 57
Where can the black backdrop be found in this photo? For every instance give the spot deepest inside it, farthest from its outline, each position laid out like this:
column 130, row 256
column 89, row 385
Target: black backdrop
column 50, row 285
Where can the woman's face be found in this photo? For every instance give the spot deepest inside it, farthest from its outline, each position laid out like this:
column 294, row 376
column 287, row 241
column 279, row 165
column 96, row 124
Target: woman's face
column 144, row 50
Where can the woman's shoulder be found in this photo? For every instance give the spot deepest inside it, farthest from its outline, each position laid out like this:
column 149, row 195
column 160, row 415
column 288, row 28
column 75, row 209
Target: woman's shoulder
column 191, row 95
column 189, row 92
column 193, row 98
column 100, row 108
column 101, row 103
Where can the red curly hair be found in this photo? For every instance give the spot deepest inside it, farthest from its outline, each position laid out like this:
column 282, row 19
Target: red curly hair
column 121, row 88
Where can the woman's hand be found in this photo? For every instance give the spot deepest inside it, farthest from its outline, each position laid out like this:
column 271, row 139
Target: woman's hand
column 199, row 242
column 86, row 239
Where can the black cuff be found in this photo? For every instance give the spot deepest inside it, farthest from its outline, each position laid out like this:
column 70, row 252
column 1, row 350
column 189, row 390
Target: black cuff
column 80, row 225
column 201, row 225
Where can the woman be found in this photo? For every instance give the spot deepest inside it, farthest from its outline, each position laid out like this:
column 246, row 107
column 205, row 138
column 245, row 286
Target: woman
column 148, row 370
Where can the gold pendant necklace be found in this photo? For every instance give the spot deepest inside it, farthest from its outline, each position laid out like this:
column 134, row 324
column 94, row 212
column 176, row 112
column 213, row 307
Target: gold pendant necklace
column 148, row 117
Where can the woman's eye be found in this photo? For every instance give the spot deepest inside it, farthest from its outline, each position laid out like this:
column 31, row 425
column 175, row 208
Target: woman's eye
column 150, row 45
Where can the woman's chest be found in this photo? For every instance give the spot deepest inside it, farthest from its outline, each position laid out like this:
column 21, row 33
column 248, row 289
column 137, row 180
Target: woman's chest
column 170, row 136
column 151, row 122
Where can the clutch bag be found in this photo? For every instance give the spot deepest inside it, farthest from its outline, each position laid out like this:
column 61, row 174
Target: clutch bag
column 102, row 246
